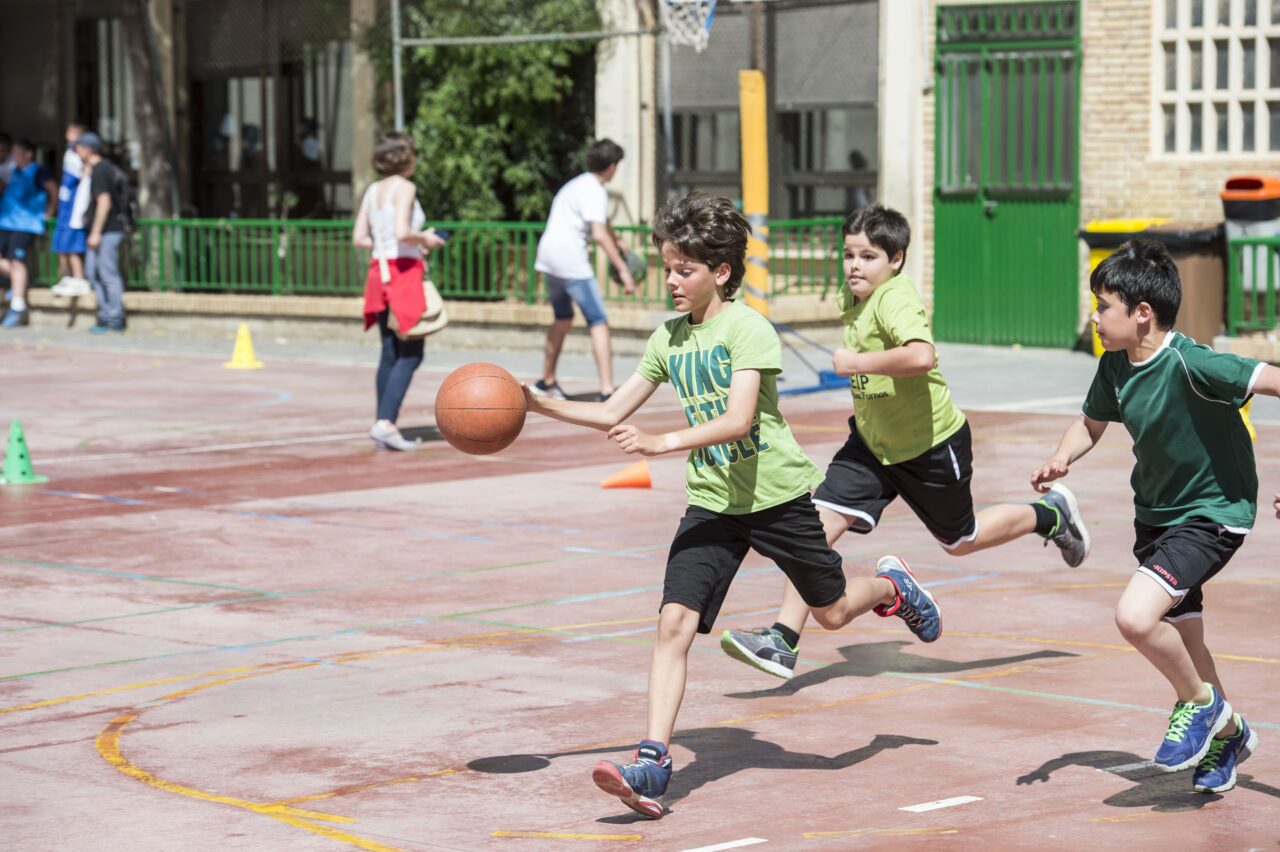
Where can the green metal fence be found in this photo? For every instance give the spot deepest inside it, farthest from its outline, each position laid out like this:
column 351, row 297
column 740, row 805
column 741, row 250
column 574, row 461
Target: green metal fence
column 1253, row 282
column 481, row 261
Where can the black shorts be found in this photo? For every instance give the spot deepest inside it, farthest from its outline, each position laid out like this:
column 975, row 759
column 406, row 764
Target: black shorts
column 17, row 245
column 709, row 546
column 935, row 484
column 1182, row 558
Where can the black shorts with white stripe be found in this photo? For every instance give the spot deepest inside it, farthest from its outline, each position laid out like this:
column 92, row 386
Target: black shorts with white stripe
column 1183, row 557
column 935, row 484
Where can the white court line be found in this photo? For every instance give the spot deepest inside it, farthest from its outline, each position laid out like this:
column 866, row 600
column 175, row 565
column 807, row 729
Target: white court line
column 1028, row 404
column 1129, row 767
column 732, row 844
column 941, row 803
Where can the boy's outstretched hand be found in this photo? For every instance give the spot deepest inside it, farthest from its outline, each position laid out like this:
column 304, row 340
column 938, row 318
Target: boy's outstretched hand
column 633, row 440
column 1051, row 470
column 532, row 402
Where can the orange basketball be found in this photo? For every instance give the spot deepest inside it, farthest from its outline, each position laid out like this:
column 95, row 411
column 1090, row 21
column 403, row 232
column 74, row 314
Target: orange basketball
column 480, row 408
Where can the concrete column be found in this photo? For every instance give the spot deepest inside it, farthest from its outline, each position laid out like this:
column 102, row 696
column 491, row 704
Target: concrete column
column 364, row 119
column 904, row 70
column 625, row 108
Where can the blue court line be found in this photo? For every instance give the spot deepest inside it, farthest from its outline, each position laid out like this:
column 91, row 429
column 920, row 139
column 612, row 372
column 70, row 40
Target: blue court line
column 972, row 578
column 101, row 498
column 127, row 575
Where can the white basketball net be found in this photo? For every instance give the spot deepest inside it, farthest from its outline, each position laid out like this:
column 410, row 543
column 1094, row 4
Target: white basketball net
column 686, row 21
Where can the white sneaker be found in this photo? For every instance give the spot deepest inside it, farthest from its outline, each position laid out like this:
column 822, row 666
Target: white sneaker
column 71, row 287
column 389, row 437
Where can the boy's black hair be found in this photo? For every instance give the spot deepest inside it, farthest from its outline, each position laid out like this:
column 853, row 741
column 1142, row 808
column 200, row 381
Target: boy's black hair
column 602, row 154
column 884, row 227
column 1142, row 271
column 707, row 228
column 25, row 144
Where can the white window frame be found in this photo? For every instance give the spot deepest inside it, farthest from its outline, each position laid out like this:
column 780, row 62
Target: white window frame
column 1261, row 99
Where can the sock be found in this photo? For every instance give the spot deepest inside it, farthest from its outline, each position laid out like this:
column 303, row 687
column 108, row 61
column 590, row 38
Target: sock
column 18, row 303
column 1047, row 519
column 651, row 750
column 788, row 635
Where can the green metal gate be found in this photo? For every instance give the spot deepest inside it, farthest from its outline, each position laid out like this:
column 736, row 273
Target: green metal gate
column 1006, row 185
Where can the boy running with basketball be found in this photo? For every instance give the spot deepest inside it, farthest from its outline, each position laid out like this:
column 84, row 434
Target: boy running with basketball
column 1195, row 491
column 748, row 481
column 906, row 438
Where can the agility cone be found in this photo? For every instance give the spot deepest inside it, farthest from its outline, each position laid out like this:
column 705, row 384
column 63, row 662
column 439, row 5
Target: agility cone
column 242, row 357
column 17, row 462
column 632, row 476
column 1248, row 424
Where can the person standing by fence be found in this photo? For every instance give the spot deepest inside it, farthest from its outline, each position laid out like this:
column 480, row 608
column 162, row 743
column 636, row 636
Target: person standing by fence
column 108, row 197
column 69, row 235
column 28, row 199
column 390, row 223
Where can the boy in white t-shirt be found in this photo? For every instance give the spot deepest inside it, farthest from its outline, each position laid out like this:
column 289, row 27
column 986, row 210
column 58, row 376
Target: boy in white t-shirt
column 579, row 214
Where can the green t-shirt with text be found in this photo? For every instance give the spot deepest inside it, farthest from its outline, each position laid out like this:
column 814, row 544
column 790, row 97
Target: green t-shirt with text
column 766, row 468
column 897, row 418
column 1193, row 455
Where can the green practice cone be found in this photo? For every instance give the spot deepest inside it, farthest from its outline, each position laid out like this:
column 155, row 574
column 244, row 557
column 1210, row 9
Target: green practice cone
column 17, row 462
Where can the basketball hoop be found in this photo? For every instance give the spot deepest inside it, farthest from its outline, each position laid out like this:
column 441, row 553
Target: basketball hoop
column 688, row 22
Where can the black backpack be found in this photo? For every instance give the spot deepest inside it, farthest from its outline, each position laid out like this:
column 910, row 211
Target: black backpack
column 124, row 199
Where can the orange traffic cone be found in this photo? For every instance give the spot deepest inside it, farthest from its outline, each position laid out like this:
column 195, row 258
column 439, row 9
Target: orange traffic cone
column 632, row 476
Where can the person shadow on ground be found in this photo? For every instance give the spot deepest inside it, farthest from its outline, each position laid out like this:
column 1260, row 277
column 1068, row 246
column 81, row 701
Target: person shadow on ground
column 877, row 658
column 1163, row 792
column 718, row 753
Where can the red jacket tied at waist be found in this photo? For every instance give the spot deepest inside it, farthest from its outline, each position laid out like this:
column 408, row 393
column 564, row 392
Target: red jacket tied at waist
column 402, row 293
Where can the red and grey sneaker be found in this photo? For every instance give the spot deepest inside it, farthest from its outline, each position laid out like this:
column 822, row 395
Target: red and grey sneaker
column 641, row 783
column 913, row 604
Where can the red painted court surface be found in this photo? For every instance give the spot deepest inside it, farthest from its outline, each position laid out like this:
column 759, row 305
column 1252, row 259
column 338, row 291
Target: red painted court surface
column 229, row 622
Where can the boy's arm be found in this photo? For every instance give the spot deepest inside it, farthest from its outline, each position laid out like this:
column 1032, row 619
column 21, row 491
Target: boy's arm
column 1268, row 381
column 734, row 424
column 607, row 240
column 1079, row 439
column 913, row 358
column 629, row 396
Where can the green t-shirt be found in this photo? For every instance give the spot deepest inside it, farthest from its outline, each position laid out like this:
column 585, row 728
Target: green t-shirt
column 768, row 467
column 898, row 418
column 1193, row 454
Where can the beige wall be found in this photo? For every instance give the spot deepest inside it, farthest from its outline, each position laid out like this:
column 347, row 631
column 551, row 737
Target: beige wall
column 625, row 105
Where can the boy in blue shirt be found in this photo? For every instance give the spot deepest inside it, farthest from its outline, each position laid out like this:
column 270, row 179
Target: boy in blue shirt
column 747, row 478
column 28, row 199
column 1195, row 491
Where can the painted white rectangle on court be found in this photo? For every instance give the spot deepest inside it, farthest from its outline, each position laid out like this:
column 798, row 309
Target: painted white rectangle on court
column 941, row 803
column 732, row 844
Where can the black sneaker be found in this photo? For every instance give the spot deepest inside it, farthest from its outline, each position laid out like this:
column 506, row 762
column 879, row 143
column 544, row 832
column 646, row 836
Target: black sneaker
column 552, row 390
column 764, row 649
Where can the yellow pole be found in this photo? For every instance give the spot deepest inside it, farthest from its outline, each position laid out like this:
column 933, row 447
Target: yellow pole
column 755, row 187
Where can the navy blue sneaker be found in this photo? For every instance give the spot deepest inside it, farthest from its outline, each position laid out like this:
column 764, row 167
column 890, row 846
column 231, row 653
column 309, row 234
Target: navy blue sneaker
column 913, row 604
column 1191, row 730
column 641, row 783
column 1216, row 772
column 15, row 318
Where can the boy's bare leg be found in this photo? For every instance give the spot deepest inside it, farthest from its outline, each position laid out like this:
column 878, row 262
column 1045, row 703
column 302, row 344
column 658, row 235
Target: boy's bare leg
column 1139, row 615
column 76, row 261
column 794, row 612
column 1192, row 632
column 555, row 342
column 998, row 525
column 18, row 280
column 604, row 356
column 677, row 625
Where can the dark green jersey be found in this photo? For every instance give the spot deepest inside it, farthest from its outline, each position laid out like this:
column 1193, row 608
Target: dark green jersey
column 1193, row 454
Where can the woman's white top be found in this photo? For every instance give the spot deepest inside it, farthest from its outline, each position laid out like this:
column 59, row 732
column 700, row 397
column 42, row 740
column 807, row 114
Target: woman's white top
column 381, row 215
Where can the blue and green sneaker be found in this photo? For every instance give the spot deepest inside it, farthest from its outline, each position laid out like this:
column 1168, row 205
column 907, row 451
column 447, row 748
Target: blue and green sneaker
column 1191, row 730
column 1216, row 772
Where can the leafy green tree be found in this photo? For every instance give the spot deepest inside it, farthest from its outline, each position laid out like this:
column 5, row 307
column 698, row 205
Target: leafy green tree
column 498, row 127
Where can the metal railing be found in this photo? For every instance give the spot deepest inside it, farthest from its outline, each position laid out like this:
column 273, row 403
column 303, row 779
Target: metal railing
column 1253, row 279
column 481, row 261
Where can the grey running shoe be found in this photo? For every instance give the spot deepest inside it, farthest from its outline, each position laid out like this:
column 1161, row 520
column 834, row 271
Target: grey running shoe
column 764, row 649
column 1071, row 536
column 541, row 388
column 389, row 437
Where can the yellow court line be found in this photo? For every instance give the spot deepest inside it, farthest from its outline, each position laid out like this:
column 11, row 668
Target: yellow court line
column 554, row 836
column 108, row 745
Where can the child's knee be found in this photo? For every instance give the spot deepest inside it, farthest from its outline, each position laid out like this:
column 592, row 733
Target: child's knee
column 677, row 623
column 831, row 617
column 1133, row 623
column 960, row 548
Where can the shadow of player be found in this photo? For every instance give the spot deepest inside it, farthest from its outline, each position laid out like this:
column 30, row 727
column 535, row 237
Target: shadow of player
column 1163, row 792
column 876, row 658
column 718, row 753
column 422, row 433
